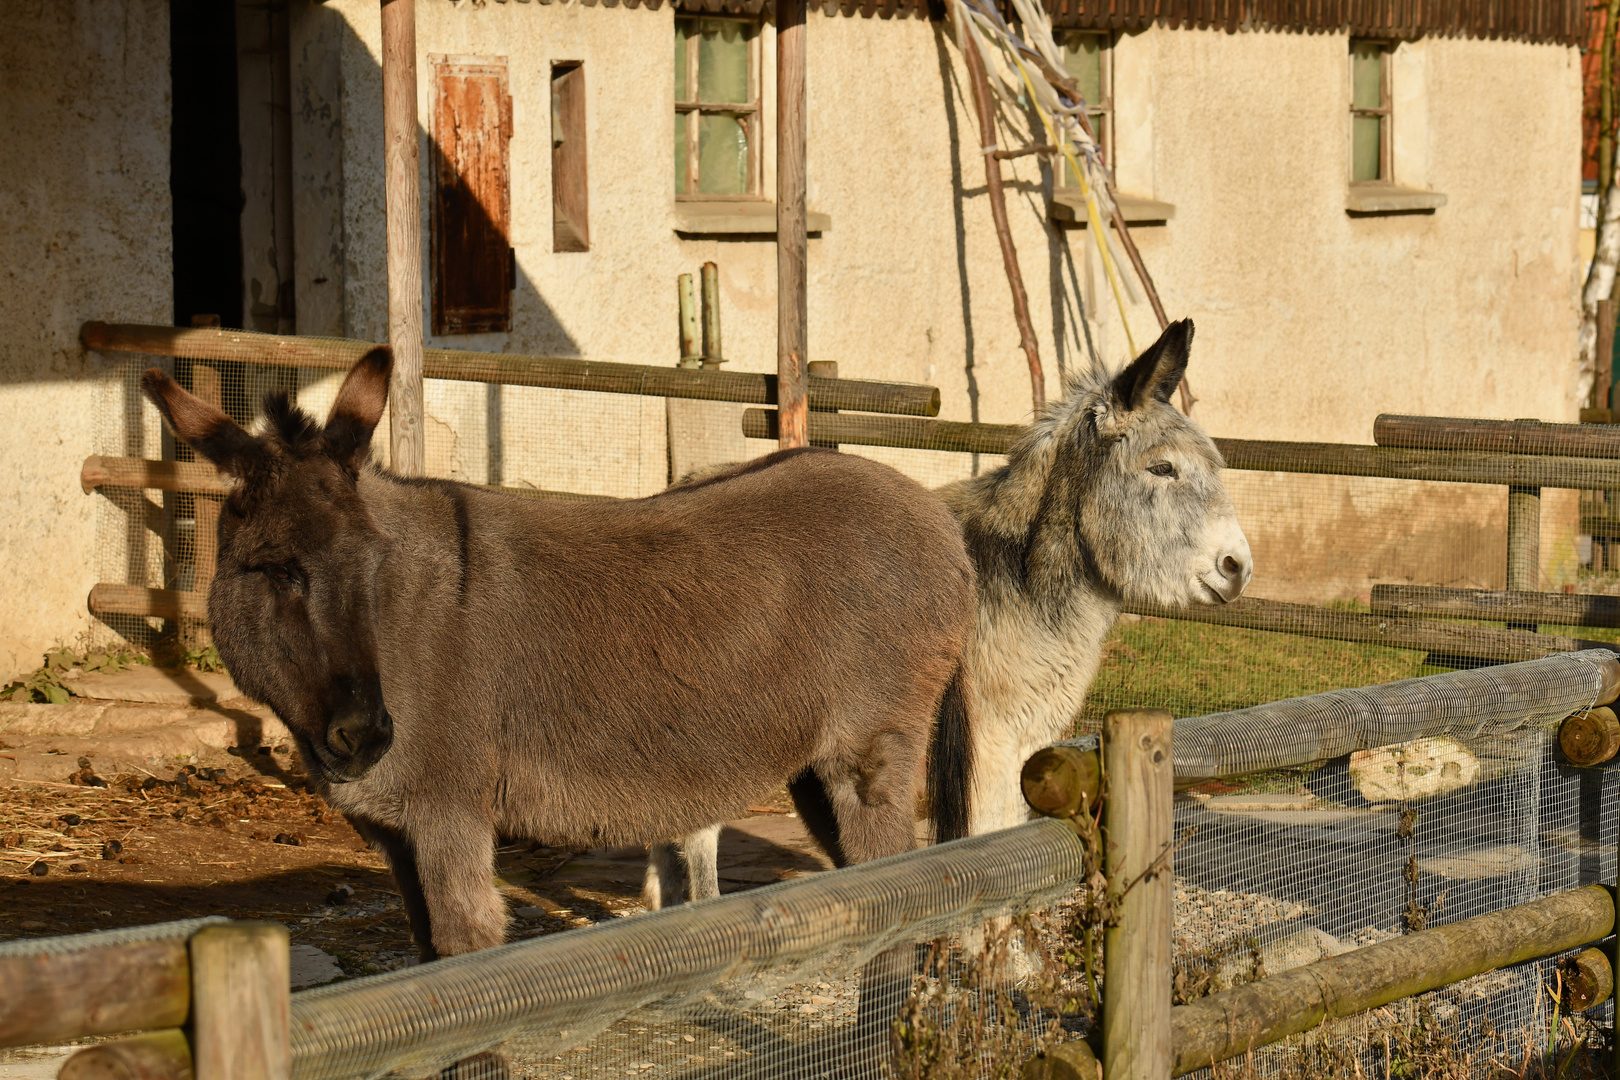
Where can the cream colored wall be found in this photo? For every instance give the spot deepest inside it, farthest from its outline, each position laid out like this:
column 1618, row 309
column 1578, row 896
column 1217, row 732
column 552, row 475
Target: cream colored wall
column 84, row 233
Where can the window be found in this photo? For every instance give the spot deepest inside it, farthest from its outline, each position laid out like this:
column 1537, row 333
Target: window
column 570, row 207
column 1369, row 112
column 1087, row 58
column 472, row 197
column 717, row 135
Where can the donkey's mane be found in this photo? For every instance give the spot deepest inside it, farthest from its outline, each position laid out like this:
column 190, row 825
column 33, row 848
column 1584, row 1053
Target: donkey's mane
column 291, row 426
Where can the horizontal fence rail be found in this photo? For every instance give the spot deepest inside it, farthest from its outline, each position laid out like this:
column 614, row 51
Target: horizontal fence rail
column 1232, row 1022
column 1391, row 631
column 1496, row 605
column 1333, row 459
column 551, row 372
column 1497, row 436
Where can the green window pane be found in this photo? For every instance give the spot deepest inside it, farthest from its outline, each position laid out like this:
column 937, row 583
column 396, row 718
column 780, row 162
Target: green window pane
column 1082, row 59
column 722, row 156
column 723, row 61
column 684, row 29
column 680, row 153
column 1366, row 132
column 1367, row 76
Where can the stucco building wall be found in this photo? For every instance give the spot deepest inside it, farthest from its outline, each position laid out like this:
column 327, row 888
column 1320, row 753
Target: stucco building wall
column 84, row 233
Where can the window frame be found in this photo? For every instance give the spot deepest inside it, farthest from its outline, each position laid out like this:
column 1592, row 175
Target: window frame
column 1385, row 112
column 750, row 114
column 1101, row 114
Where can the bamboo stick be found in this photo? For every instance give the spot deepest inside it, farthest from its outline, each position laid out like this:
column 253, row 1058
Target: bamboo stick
column 155, row 1055
column 240, row 1004
column 792, row 237
column 1328, row 459
column 1232, row 1022
column 986, row 110
column 1496, row 605
column 1138, row 830
column 54, row 996
column 557, row 373
column 401, row 182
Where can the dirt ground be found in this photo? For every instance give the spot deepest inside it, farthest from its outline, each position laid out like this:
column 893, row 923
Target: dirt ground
column 134, row 814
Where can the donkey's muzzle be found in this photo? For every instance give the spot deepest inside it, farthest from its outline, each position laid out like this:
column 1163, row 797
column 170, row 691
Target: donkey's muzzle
column 355, row 741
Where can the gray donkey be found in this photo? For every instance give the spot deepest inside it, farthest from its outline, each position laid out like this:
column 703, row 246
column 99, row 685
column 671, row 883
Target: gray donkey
column 455, row 663
column 1112, row 495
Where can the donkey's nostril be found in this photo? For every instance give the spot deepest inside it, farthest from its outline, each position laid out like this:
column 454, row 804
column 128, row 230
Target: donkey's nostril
column 1231, row 567
column 344, row 737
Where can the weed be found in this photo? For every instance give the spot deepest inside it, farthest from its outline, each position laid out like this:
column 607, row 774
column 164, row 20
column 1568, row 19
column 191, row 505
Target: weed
column 50, row 683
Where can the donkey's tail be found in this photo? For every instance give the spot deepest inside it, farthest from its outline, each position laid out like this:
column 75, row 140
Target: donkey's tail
column 950, row 762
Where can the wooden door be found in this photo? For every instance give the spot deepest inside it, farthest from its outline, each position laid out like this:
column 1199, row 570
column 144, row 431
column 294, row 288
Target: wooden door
column 473, row 271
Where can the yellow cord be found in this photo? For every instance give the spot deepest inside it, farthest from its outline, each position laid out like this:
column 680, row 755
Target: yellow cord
column 1092, row 213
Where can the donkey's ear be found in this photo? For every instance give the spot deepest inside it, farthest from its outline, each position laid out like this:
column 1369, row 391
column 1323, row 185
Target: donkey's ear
column 359, row 406
column 203, row 427
column 1155, row 374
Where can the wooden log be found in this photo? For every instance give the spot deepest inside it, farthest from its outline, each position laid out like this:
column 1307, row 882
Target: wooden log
column 1497, row 436
column 1329, row 459
column 1065, row 1061
column 198, row 476
column 240, row 1004
column 1138, row 831
column 1496, row 605
column 50, row 997
column 1588, row 980
column 1591, row 737
column 792, row 239
column 1276, row 616
column 155, row 1055
column 107, row 598
column 551, row 372
column 403, row 206
column 1232, row 1022
column 1063, row 779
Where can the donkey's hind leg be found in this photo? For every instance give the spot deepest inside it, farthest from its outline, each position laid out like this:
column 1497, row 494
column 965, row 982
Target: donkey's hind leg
column 665, row 883
column 701, row 853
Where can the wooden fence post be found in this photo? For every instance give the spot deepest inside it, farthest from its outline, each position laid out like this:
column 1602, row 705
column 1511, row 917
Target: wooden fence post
column 402, row 196
column 1138, row 833
column 713, row 352
column 240, row 1002
column 792, row 241
column 1523, row 543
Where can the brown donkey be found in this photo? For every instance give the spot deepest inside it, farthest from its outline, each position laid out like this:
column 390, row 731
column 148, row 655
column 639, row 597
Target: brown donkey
column 456, row 663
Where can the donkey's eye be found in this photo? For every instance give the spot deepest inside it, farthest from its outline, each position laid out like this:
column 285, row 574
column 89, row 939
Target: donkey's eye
column 1163, row 468
column 284, row 576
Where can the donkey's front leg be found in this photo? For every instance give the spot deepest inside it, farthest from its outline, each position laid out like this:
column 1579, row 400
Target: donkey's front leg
column 455, row 860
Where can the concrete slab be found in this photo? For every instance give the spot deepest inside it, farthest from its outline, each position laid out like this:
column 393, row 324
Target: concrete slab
column 157, row 686
column 1474, row 865
column 312, row 966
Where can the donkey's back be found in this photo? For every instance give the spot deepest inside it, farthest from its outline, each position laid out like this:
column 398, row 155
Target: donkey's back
column 803, row 610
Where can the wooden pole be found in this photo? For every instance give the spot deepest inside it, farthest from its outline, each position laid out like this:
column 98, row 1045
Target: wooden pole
column 1495, row 605
column 1523, row 543
column 154, row 1055
column 54, row 996
column 713, row 352
column 986, row 110
column 240, row 1003
column 792, row 239
column 1603, row 369
column 1232, row 1022
column 687, row 301
column 1138, row 834
column 402, row 182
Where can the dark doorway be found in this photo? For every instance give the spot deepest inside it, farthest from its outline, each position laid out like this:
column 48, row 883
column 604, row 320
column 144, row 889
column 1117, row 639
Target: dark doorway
column 205, row 162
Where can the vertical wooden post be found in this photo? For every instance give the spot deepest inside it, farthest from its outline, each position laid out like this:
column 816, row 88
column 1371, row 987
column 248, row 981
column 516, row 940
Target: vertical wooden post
column 1138, row 832
column 1603, row 369
column 713, row 352
column 792, row 241
column 824, row 369
column 687, row 301
column 240, row 1002
column 401, row 180
column 1523, row 543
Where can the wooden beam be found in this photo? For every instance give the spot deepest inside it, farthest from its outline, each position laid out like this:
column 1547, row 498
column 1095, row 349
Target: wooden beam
column 1232, row 1022
column 402, row 186
column 51, row 997
column 552, row 372
column 240, row 1007
column 1496, row 605
column 792, row 239
column 1497, row 436
column 1139, row 824
column 155, row 1055
column 1330, row 459
column 1276, row 616
column 107, row 598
